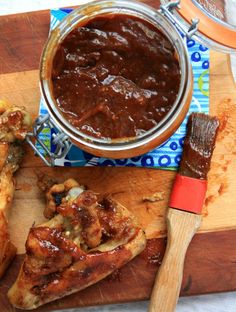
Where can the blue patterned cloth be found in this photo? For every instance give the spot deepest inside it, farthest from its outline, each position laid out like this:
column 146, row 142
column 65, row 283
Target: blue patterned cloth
column 168, row 155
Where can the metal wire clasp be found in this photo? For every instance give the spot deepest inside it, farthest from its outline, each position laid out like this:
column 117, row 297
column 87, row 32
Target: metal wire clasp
column 167, row 10
column 57, row 145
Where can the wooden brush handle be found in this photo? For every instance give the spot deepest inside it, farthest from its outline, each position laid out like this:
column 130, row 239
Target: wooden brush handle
column 181, row 227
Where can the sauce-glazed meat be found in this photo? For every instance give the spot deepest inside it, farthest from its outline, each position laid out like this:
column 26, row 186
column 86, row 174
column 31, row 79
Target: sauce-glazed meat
column 14, row 124
column 83, row 242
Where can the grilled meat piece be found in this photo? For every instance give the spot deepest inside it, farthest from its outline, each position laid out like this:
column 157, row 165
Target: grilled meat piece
column 14, row 124
column 82, row 243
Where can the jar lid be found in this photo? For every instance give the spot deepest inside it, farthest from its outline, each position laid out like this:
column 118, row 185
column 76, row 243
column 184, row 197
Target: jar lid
column 217, row 21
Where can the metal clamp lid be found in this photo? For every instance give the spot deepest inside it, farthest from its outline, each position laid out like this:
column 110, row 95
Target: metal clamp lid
column 61, row 143
column 211, row 30
column 167, row 10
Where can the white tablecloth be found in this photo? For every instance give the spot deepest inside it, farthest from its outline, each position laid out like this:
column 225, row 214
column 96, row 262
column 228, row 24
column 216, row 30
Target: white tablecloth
column 224, row 302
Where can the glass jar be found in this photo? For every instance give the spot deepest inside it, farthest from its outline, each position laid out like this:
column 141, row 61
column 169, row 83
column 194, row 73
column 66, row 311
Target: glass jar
column 118, row 148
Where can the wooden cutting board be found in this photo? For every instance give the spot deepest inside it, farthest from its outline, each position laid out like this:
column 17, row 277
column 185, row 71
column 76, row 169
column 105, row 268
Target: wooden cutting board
column 211, row 259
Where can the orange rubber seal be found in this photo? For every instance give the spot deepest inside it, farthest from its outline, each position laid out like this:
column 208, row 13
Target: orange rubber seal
column 188, row 194
column 208, row 26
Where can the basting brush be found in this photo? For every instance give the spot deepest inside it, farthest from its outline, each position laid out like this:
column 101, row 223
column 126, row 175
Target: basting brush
column 185, row 205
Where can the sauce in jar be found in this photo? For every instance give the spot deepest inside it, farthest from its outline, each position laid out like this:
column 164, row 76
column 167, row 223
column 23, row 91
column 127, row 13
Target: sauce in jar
column 116, row 76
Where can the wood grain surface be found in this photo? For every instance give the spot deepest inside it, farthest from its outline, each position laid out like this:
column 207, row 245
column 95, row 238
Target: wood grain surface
column 211, row 259
column 206, row 270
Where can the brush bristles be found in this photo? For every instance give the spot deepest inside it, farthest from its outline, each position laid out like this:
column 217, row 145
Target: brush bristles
column 199, row 145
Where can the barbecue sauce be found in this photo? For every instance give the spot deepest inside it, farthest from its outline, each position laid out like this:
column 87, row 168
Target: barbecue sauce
column 116, row 76
column 199, row 145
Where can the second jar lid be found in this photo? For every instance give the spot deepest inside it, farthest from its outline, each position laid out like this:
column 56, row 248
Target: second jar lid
column 217, row 23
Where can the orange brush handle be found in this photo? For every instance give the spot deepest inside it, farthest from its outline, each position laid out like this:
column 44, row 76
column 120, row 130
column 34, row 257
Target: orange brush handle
column 188, row 194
